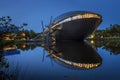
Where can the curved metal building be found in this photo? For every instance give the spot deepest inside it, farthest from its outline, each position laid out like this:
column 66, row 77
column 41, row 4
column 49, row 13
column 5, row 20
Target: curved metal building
column 75, row 25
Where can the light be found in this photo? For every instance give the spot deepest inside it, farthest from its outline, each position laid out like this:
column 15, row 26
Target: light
column 24, row 46
column 23, row 34
column 92, row 42
column 75, row 17
column 10, row 47
column 7, row 38
column 91, row 36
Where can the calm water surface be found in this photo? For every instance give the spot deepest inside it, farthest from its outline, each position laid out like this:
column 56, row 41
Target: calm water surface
column 65, row 61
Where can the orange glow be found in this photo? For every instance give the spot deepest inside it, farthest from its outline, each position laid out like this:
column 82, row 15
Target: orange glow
column 24, row 46
column 91, row 36
column 10, row 48
column 7, row 38
column 23, row 34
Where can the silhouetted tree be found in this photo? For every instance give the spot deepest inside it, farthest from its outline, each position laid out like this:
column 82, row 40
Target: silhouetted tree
column 7, row 27
column 112, row 31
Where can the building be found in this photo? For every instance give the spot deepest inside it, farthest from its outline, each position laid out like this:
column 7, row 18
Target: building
column 75, row 25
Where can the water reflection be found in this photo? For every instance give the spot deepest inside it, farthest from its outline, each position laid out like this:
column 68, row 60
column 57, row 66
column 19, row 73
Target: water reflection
column 24, row 61
column 8, row 71
column 75, row 55
column 113, row 46
column 22, row 46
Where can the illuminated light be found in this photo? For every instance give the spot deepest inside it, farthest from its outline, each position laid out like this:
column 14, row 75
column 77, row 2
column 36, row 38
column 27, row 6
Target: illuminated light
column 75, row 17
column 59, row 28
column 53, row 43
column 92, row 36
column 42, row 44
column 96, row 65
column 53, row 38
column 24, row 46
column 23, row 34
column 92, row 42
column 67, row 19
column 10, row 48
column 7, row 38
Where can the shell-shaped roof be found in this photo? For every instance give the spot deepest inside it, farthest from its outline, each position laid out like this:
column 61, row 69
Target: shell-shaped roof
column 71, row 13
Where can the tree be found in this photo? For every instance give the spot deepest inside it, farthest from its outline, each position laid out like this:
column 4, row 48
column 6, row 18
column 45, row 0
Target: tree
column 6, row 27
column 112, row 31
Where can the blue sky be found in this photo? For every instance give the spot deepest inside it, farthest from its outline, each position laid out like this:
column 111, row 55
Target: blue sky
column 33, row 11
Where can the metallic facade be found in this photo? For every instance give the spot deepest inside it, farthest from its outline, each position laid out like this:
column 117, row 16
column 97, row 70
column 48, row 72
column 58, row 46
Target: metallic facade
column 75, row 25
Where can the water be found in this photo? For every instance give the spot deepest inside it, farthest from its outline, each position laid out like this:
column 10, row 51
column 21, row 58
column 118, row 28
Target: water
column 96, row 60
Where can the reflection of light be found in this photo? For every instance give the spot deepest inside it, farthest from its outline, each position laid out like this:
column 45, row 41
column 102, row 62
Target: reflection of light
column 24, row 46
column 53, row 43
column 53, row 38
column 42, row 44
column 10, row 47
column 92, row 42
column 79, row 65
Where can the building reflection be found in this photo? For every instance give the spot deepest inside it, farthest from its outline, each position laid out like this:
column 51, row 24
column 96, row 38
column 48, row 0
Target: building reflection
column 79, row 55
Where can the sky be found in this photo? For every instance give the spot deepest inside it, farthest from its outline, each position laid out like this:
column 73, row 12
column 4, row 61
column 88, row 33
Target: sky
column 34, row 11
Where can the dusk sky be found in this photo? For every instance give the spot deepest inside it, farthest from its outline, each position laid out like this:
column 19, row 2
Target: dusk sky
column 33, row 11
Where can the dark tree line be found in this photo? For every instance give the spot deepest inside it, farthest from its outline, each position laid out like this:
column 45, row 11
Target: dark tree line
column 7, row 27
column 29, row 34
column 112, row 31
column 113, row 45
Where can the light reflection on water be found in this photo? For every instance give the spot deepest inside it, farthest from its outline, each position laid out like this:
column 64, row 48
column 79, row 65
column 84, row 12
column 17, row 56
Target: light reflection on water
column 65, row 62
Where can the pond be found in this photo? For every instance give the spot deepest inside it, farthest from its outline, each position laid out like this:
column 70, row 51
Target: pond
column 88, row 60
